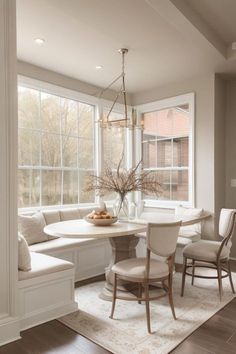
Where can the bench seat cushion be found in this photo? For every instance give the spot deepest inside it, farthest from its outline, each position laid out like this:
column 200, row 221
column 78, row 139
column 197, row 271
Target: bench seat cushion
column 44, row 265
column 58, row 244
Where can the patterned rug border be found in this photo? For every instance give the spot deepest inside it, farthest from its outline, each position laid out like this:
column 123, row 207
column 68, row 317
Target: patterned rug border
column 167, row 349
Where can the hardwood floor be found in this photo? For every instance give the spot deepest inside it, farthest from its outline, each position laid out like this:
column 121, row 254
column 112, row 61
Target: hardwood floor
column 216, row 336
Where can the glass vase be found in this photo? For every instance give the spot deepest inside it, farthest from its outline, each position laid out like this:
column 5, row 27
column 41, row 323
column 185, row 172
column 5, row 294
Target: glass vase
column 121, row 208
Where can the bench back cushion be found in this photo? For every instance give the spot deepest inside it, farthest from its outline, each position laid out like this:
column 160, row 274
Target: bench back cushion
column 31, row 227
column 69, row 214
column 51, row 216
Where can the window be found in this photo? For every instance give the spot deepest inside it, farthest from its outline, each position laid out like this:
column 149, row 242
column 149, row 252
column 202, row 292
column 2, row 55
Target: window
column 167, row 148
column 56, row 148
column 114, row 146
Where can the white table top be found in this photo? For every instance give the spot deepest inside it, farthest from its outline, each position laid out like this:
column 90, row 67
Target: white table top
column 169, row 218
column 82, row 229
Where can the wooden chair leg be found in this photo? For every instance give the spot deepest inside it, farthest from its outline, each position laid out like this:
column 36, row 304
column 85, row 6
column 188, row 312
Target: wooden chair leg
column 219, row 279
column 184, row 276
column 146, row 289
column 193, row 270
column 139, row 292
column 114, row 296
column 170, row 295
column 230, row 276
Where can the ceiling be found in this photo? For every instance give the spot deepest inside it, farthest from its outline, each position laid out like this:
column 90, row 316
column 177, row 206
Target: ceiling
column 168, row 40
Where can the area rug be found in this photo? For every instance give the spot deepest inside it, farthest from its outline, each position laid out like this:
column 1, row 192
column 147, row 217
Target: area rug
column 127, row 332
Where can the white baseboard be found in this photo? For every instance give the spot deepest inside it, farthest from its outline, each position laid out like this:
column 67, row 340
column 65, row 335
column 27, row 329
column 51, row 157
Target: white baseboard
column 9, row 330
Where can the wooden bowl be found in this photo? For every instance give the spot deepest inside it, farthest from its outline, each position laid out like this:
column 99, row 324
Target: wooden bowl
column 101, row 222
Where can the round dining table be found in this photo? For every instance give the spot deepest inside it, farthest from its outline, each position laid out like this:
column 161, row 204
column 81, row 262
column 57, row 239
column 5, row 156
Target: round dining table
column 121, row 235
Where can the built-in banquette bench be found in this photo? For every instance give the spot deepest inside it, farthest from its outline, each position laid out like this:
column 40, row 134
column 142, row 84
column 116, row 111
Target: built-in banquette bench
column 46, row 291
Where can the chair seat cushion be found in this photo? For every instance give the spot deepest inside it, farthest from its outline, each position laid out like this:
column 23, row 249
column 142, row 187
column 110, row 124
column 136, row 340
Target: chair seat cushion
column 204, row 250
column 57, row 244
column 44, row 265
column 135, row 268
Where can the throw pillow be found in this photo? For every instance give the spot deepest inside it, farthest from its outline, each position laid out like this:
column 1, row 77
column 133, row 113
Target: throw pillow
column 24, row 258
column 31, row 227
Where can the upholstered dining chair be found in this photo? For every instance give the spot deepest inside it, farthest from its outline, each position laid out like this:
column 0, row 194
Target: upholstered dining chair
column 161, row 240
column 212, row 254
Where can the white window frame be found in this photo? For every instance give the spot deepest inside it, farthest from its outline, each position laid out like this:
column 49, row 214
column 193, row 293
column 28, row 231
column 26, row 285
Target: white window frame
column 72, row 95
column 171, row 102
column 98, row 136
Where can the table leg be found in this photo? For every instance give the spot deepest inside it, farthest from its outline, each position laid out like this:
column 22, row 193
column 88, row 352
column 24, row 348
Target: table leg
column 123, row 247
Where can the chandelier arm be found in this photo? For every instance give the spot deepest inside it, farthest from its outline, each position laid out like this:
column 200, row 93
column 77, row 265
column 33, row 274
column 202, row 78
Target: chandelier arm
column 113, row 104
column 112, row 83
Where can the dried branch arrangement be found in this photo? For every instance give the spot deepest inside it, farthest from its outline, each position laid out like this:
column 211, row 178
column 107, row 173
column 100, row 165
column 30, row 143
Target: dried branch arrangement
column 123, row 181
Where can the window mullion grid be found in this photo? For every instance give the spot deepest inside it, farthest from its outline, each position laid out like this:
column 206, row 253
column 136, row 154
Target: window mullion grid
column 78, row 167
column 61, row 153
column 40, row 148
column 172, row 166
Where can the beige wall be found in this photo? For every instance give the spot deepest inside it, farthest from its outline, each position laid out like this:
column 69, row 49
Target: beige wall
column 230, row 150
column 204, row 134
column 219, row 131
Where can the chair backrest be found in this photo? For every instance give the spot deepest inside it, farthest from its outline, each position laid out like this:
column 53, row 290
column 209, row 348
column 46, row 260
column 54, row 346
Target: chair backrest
column 162, row 238
column 227, row 222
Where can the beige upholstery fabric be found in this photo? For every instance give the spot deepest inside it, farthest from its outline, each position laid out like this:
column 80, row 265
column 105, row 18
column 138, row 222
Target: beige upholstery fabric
column 205, row 250
column 135, row 267
column 24, row 259
column 183, row 241
column 69, row 214
column 193, row 231
column 58, row 244
column 44, row 265
column 180, row 210
column 83, row 211
column 31, row 227
column 51, row 216
column 225, row 222
column 162, row 238
column 190, row 233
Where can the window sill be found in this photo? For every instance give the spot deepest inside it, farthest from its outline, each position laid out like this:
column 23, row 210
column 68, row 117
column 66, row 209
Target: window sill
column 166, row 204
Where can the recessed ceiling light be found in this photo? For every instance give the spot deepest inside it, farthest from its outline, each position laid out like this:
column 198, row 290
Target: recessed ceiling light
column 99, row 67
column 39, row 41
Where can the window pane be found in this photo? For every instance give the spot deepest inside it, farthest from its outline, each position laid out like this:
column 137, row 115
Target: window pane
column 28, row 108
column 114, row 145
column 58, row 134
column 28, row 188
column 51, row 187
column 69, row 117
column 69, row 151
column 86, row 120
column 28, row 148
column 83, row 180
column 86, row 154
column 179, row 185
column 70, row 187
column 163, row 177
column 51, row 152
column 180, row 152
column 50, row 112
column 166, row 144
